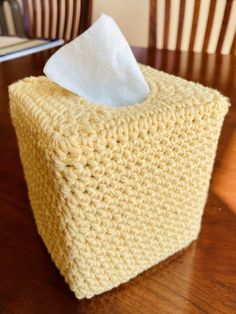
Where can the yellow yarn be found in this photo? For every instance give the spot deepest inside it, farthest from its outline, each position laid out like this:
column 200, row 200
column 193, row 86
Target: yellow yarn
column 114, row 191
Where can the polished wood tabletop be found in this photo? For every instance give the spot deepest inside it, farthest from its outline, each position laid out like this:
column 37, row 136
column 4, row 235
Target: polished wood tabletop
column 200, row 279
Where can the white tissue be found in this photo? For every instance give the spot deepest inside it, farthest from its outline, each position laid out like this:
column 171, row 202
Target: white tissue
column 99, row 66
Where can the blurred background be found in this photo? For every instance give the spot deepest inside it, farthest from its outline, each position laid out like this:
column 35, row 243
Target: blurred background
column 186, row 25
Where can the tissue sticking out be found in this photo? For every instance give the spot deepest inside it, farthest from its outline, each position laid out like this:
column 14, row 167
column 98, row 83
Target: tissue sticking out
column 99, row 66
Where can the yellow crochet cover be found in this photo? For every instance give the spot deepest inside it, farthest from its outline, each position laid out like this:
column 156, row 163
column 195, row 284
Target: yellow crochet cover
column 114, row 191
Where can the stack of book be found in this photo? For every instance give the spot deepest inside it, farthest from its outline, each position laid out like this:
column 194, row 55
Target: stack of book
column 12, row 47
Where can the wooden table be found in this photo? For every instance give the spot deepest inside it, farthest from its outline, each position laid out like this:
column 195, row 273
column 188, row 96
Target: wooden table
column 201, row 279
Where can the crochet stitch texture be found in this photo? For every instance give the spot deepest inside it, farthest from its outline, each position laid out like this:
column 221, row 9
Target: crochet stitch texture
column 114, row 191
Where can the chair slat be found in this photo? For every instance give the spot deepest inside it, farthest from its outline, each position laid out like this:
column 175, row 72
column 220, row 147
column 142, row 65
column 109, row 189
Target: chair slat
column 61, row 18
column 173, row 24
column 180, row 23
column 201, row 26
column 187, row 25
column 76, row 18
column 9, row 19
column 196, row 12
column 160, row 23
column 209, row 24
column 216, row 26
column 45, row 18
column 166, row 23
column 229, row 39
column 152, row 23
column 69, row 19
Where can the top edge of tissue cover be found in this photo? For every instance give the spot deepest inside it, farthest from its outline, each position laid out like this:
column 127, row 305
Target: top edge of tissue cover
column 99, row 66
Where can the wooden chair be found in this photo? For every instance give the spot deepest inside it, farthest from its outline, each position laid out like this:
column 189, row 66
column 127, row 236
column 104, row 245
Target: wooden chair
column 56, row 18
column 15, row 14
column 186, row 25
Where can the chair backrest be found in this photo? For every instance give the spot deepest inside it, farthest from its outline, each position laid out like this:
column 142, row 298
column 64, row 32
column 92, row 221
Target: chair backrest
column 11, row 18
column 200, row 25
column 186, row 25
column 56, row 18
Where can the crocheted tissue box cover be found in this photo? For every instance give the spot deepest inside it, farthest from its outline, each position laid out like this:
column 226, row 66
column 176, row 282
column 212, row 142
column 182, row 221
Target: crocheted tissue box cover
column 114, row 191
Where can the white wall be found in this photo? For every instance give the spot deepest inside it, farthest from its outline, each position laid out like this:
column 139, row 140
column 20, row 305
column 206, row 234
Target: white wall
column 132, row 16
